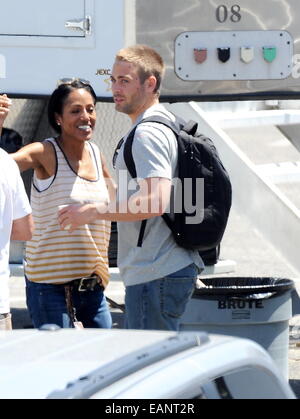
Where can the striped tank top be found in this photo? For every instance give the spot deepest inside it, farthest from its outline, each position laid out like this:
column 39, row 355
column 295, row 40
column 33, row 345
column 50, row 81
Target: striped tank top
column 58, row 256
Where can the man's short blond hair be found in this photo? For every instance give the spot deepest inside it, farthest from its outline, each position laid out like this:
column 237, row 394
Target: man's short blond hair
column 147, row 60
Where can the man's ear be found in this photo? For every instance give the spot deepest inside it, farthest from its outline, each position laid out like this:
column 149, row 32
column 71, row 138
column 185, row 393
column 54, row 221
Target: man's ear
column 151, row 83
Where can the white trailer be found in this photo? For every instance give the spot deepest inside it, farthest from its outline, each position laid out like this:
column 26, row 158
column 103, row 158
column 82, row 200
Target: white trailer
column 43, row 41
column 236, row 49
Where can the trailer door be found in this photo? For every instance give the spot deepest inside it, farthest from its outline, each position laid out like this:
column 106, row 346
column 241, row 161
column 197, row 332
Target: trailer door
column 55, row 18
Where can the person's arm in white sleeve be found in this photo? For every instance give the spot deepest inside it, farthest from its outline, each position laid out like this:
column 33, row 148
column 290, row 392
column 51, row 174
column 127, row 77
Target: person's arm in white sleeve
column 22, row 227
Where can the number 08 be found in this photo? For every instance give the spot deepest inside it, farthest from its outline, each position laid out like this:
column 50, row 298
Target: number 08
column 222, row 13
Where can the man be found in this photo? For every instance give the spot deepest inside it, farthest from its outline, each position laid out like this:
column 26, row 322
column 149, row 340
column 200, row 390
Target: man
column 10, row 140
column 159, row 276
column 15, row 218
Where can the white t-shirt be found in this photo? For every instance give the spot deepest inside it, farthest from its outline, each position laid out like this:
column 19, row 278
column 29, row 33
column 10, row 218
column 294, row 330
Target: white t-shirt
column 14, row 204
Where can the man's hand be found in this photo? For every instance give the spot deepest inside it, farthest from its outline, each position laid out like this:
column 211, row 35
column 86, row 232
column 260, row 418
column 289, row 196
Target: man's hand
column 74, row 216
column 5, row 103
column 151, row 200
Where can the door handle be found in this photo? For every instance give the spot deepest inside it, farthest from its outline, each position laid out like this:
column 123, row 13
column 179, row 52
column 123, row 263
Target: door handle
column 80, row 24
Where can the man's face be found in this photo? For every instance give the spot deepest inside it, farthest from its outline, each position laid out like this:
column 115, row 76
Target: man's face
column 130, row 96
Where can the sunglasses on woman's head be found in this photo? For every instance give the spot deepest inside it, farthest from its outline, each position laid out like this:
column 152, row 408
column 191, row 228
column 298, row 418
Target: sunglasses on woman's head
column 72, row 80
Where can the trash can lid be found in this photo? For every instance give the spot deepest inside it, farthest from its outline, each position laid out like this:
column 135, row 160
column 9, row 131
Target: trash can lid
column 245, row 285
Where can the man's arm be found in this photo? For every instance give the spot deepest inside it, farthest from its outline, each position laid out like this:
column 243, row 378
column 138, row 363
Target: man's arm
column 150, row 201
column 22, row 228
column 109, row 181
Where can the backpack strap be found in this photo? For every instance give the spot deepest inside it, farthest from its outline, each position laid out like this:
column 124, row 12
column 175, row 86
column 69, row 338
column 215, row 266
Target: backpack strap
column 128, row 157
column 190, row 127
column 129, row 161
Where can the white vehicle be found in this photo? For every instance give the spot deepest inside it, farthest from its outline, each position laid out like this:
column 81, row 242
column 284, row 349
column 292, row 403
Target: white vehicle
column 128, row 364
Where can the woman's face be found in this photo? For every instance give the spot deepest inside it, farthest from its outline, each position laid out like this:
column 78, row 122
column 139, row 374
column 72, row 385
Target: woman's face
column 78, row 117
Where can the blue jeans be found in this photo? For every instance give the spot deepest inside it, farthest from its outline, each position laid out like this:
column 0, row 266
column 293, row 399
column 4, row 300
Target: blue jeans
column 47, row 304
column 159, row 304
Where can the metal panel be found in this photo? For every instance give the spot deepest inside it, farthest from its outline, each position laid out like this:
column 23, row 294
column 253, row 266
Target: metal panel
column 233, row 55
column 31, row 65
column 159, row 23
column 40, row 18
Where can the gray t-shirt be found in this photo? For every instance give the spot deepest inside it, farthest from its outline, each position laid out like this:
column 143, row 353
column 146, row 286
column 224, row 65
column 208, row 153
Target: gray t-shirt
column 155, row 155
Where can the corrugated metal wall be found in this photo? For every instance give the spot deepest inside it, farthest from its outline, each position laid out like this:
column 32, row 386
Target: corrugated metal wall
column 29, row 118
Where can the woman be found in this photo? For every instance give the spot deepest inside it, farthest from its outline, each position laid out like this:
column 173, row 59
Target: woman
column 66, row 273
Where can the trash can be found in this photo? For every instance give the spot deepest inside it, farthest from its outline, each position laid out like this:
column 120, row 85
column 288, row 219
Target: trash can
column 253, row 308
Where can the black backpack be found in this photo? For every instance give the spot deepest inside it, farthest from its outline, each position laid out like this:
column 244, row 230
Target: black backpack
column 197, row 158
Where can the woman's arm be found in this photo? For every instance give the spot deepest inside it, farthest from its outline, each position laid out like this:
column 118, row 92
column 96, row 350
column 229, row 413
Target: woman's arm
column 38, row 156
